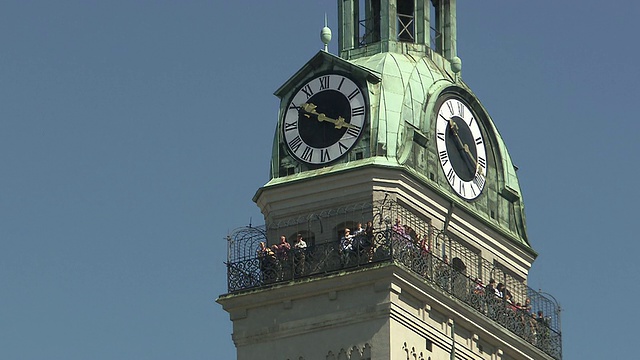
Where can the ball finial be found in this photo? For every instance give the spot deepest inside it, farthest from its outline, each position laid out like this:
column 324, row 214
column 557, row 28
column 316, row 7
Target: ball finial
column 325, row 34
column 456, row 64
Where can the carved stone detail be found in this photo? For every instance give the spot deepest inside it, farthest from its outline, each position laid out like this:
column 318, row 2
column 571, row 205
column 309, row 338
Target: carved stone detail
column 354, row 353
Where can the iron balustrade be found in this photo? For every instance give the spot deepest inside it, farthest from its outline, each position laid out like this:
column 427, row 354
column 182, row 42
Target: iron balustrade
column 263, row 270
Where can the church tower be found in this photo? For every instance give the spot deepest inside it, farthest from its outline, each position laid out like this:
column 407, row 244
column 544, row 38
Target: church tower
column 394, row 220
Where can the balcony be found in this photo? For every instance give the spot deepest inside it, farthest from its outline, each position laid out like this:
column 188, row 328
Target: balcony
column 523, row 311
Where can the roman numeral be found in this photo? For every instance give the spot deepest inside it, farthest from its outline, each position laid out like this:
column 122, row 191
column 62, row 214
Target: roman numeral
column 353, row 94
column 461, row 189
column 307, row 90
column 461, row 110
column 471, row 121
column 357, row 111
column 451, row 175
column 482, row 162
column 294, row 144
column 307, row 154
column 293, row 106
column 324, row 82
column 444, row 157
column 342, row 147
column 479, row 180
column 324, row 155
column 440, row 136
column 479, row 141
column 341, row 82
column 354, row 130
column 290, row 126
column 450, row 106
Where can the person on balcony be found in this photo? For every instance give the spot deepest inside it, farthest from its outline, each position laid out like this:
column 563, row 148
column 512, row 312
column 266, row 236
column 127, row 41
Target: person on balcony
column 346, row 242
column 368, row 240
column 398, row 230
column 283, row 249
column 267, row 259
column 499, row 291
column 358, row 237
column 490, row 289
column 425, row 245
column 478, row 289
column 543, row 334
column 527, row 305
column 346, row 246
column 283, row 267
column 493, row 304
column 299, row 247
column 359, row 230
column 369, row 231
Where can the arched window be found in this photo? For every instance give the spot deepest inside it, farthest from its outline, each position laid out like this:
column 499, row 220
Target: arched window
column 458, row 265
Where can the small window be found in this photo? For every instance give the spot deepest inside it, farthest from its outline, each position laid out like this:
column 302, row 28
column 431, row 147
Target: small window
column 406, row 21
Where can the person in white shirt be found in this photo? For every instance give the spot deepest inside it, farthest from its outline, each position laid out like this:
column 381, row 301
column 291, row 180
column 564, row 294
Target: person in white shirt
column 299, row 247
column 299, row 243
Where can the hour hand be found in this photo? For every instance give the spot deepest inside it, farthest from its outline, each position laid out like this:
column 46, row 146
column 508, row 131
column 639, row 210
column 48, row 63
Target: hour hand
column 339, row 122
column 310, row 108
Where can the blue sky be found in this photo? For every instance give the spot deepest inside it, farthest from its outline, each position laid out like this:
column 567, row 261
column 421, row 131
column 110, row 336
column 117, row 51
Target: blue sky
column 133, row 135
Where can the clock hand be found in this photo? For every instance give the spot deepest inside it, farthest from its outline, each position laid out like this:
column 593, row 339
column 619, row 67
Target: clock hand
column 466, row 150
column 478, row 168
column 339, row 123
column 465, row 147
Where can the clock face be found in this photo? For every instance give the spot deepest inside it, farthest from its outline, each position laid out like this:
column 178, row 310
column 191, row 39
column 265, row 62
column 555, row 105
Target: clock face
column 324, row 119
column 461, row 148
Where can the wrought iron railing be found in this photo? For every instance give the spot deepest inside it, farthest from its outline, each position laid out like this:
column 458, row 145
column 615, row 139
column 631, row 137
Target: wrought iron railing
column 535, row 321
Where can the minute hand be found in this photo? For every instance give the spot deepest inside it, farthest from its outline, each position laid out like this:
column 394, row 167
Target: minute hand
column 338, row 123
column 454, row 128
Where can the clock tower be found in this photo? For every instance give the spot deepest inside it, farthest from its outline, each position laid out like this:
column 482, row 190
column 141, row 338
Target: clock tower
column 394, row 220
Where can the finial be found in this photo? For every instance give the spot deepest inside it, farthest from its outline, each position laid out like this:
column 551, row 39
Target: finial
column 325, row 34
column 456, row 64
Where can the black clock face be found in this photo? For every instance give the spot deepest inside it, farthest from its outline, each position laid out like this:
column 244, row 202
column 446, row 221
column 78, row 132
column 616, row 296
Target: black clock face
column 324, row 119
column 462, row 162
column 322, row 134
column 461, row 148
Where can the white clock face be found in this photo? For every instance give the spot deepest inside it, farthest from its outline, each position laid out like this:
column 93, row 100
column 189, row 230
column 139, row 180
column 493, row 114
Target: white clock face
column 324, row 119
column 461, row 148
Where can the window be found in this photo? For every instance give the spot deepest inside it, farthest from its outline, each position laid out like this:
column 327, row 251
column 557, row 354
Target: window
column 406, row 23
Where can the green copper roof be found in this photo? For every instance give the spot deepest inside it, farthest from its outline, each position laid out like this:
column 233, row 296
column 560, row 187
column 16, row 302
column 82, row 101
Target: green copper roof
column 403, row 106
column 404, row 91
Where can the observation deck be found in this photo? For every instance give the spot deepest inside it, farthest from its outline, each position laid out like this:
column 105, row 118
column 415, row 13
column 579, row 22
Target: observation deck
column 415, row 245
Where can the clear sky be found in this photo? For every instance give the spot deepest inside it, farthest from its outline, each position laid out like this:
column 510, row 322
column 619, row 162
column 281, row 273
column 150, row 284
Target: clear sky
column 133, row 135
